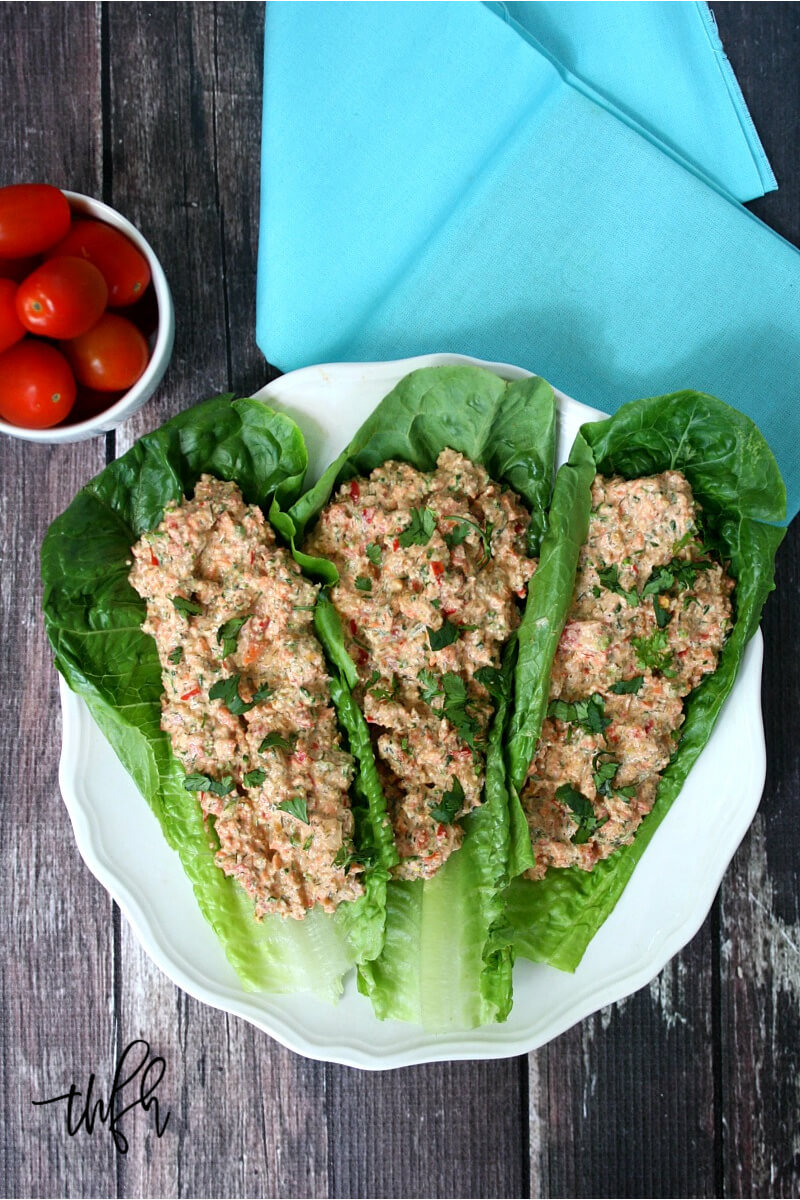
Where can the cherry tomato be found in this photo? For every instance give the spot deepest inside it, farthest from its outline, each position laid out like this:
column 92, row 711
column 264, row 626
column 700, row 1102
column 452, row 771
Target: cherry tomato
column 10, row 328
column 33, row 217
column 123, row 267
column 37, row 388
column 18, row 268
column 62, row 298
column 110, row 357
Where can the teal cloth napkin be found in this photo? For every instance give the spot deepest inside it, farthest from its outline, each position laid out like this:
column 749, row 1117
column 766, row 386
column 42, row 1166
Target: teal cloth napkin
column 434, row 179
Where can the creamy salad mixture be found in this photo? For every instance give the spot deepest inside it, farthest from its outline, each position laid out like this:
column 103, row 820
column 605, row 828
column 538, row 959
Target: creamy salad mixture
column 246, row 699
column 649, row 616
column 431, row 569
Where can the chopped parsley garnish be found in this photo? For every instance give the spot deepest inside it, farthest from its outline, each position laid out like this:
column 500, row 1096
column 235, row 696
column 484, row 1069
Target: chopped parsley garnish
column 227, row 690
column 228, row 634
column 420, row 530
column 654, row 652
column 450, row 804
column 382, row 693
column 609, row 577
column 604, row 772
column 187, row 607
column 255, row 778
column 663, row 615
column 680, row 573
column 588, row 714
column 627, row 687
column 363, row 583
column 455, row 708
column 460, row 532
column 583, row 812
column 276, row 741
column 454, row 691
column 176, row 655
column 296, row 807
column 445, row 635
column 495, row 682
column 374, row 553
column 429, row 685
column 204, row 783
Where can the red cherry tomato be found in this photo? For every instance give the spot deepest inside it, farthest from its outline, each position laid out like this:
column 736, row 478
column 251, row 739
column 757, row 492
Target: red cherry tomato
column 37, row 388
column 18, row 268
column 62, row 298
column 110, row 357
column 33, row 217
column 11, row 330
column 123, row 267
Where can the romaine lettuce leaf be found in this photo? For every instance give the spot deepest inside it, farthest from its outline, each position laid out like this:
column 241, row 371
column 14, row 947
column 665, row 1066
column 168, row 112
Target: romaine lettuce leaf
column 93, row 619
column 736, row 481
column 443, row 964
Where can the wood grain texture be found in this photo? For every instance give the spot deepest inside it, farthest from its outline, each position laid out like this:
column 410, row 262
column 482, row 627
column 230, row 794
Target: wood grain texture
column 690, row 1087
column 759, row 927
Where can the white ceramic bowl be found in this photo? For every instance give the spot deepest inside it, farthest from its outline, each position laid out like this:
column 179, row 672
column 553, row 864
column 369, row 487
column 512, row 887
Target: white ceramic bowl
column 160, row 342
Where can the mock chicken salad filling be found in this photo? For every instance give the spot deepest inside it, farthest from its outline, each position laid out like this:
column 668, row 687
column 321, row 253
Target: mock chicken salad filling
column 649, row 615
column 432, row 567
column 246, row 700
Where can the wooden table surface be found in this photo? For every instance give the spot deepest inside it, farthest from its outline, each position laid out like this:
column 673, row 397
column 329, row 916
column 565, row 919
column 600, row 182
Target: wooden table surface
column 688, row 1088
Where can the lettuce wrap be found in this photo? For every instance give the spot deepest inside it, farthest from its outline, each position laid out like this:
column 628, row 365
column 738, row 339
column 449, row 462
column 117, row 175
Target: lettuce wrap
column 736, row 481
column 443, row 964
column 93, row 619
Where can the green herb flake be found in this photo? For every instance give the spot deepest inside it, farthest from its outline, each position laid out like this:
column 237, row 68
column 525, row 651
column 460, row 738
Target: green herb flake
column 227, row 690
column 255, row 778
column 460, row 532
column 374, row 553
column 609, row 577
column 420, row 529
column 663, row 615
column 363, row 583
column 587, row 714
column 228, row 635
column 450, row 804
column 495, row 682
column 276, row 741
column 187, row 607
column 627, row 687
column 296, row 807
column 653, row 652
column 583, row 812
column 176, row 655
column 445, row 635
column 204, row 783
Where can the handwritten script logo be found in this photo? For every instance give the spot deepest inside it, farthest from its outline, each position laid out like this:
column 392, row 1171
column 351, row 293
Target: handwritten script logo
column 149, row 1072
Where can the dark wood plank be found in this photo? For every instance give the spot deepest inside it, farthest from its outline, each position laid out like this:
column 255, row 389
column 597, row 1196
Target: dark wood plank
column 444, row 1129
column 623, row 1104
column 56, row 985
column 760, row 905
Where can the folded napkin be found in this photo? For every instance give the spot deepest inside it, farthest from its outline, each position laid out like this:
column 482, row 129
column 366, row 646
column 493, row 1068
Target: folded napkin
column 434, row 180
column 662, row 66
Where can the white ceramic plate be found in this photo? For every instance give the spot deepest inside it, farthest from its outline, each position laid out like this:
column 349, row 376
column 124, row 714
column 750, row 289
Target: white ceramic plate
column 662, row 907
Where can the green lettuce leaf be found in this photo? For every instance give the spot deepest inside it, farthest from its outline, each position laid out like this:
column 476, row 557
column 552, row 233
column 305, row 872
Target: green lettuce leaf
column 444, row 964
column 736, row 481
column 508, row 427
column 93, row 619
